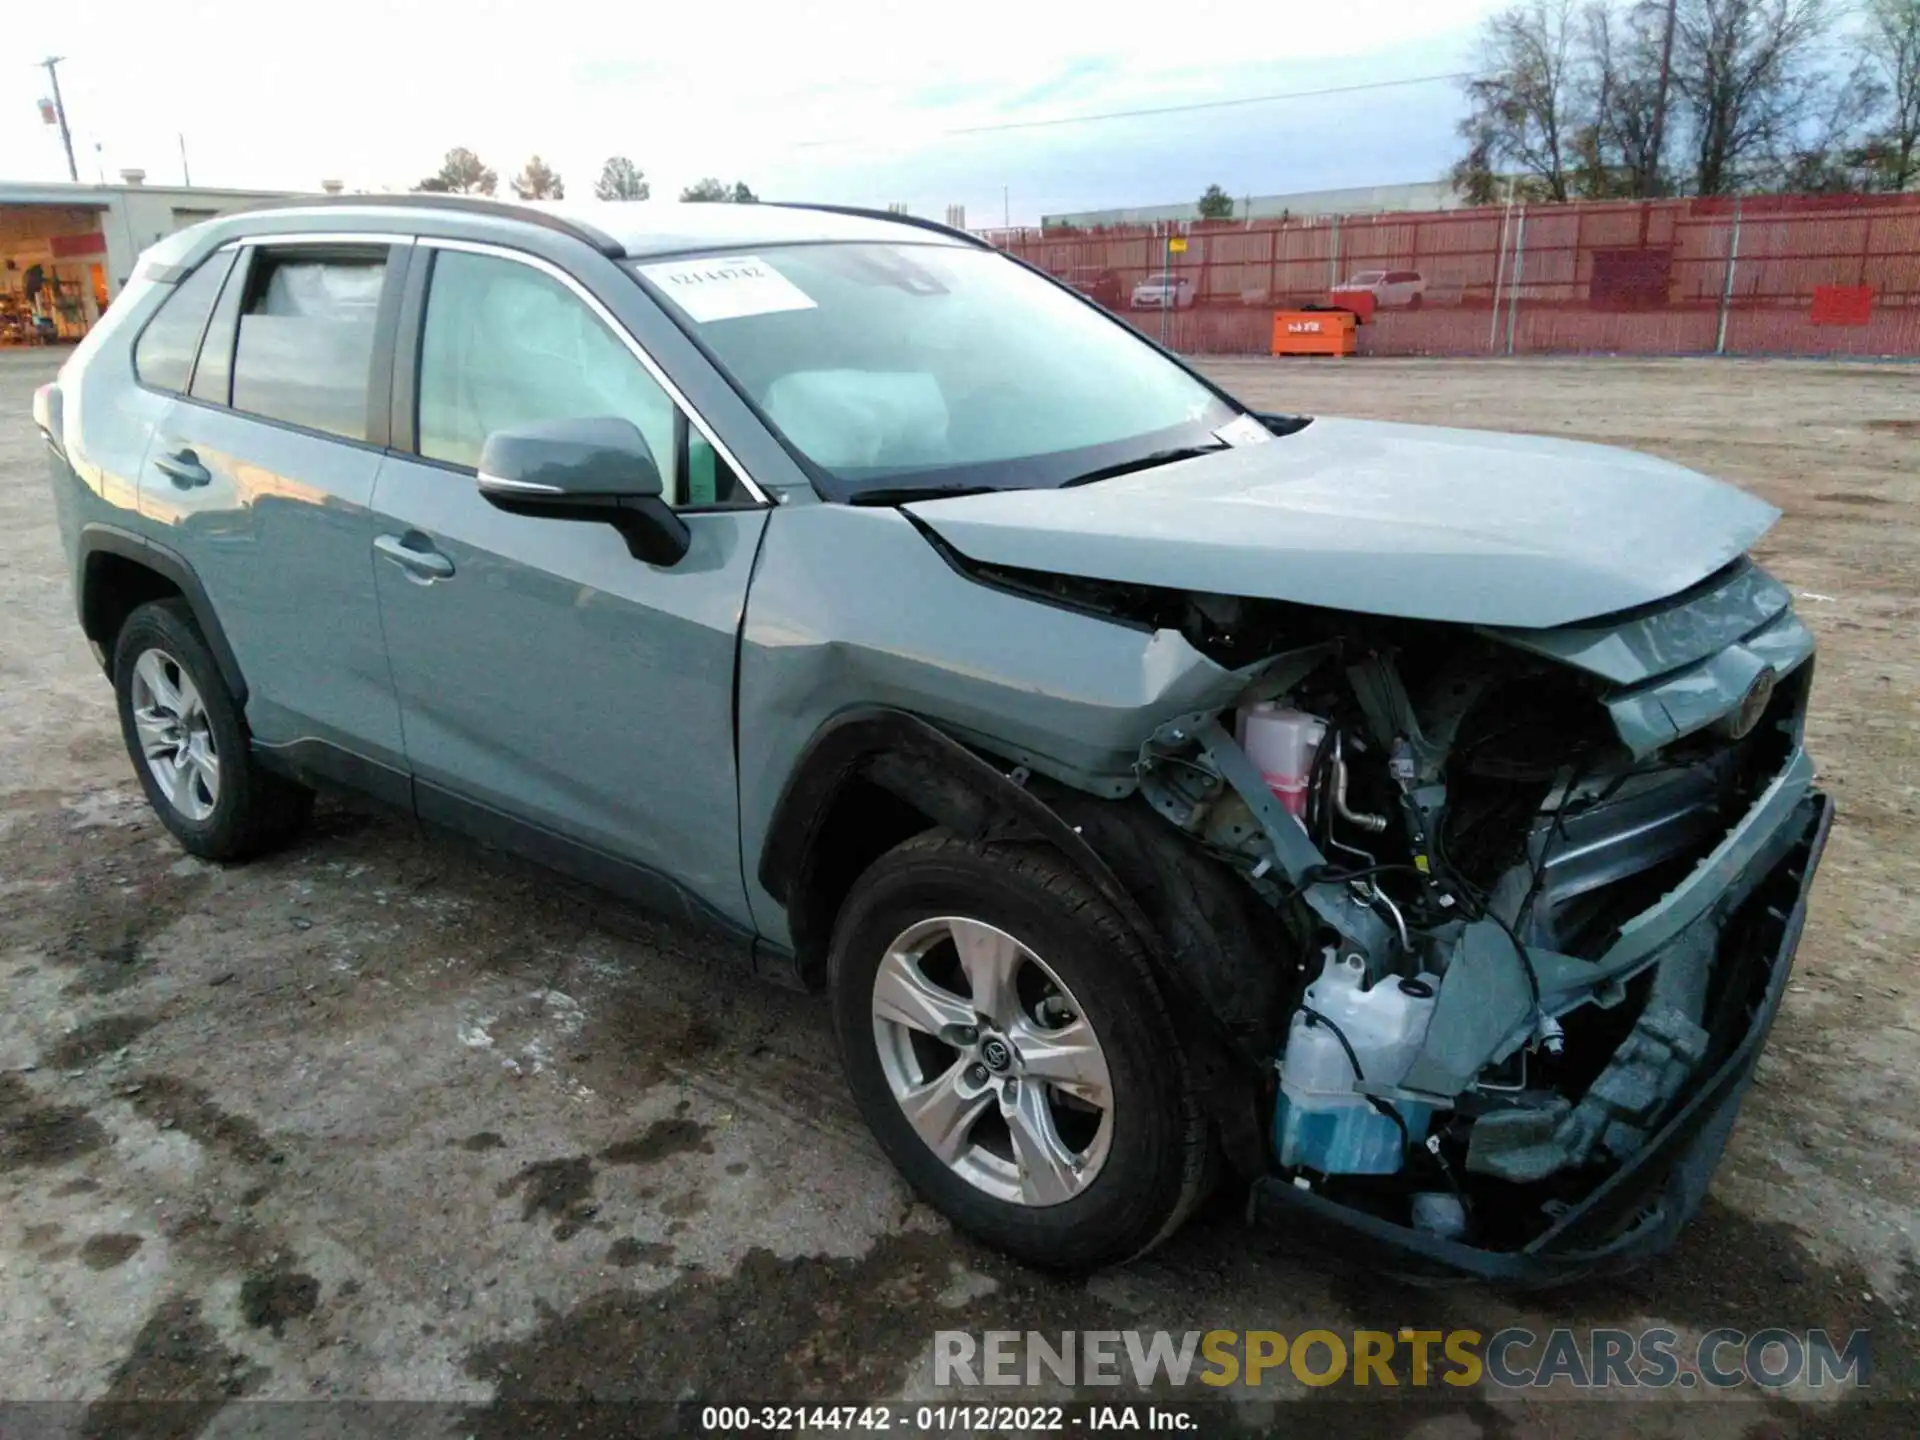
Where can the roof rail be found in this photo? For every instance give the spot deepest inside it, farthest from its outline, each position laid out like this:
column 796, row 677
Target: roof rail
column 898, row 217
column 469, row 204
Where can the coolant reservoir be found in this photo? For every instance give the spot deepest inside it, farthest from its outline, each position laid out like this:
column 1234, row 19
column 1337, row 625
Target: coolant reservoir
column 1282, row 742
column 1320, row 1121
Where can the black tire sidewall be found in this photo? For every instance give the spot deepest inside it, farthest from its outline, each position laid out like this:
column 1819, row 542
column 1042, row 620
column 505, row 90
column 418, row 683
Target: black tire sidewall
column 1128, row 1205
column 165, row 625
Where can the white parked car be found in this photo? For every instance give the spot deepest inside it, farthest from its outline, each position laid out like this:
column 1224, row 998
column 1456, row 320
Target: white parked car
column 1390, row 288
column 1165, row 291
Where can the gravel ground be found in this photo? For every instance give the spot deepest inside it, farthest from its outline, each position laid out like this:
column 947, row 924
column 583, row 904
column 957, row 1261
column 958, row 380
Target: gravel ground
column 387, row 1118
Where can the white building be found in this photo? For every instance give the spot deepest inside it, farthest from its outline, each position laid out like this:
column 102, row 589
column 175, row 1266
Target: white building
column 1420, row 195
column 65, row 250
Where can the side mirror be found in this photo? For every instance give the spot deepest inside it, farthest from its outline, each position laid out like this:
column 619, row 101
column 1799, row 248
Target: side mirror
column 598, row 468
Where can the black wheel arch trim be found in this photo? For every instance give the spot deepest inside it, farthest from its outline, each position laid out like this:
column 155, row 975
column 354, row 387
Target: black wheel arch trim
column 97, row 538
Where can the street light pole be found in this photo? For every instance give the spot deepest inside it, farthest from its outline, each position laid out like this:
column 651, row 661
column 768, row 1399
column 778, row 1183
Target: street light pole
column 51, row 65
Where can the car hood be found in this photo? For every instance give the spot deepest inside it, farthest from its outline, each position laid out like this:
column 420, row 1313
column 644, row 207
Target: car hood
column 1415, row 521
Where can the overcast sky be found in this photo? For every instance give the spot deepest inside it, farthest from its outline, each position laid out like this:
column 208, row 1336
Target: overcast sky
column 854, row 101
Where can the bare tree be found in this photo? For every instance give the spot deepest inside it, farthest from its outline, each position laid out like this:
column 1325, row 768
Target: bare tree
column 1746, row 76
column 621, row 179
column 1893, row 37
column 1833, row 150
column 1618, row 146
column 538, row 180
column 1520, row 118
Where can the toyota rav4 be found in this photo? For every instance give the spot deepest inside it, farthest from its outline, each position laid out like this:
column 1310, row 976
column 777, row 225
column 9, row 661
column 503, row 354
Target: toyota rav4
column 1413, row 823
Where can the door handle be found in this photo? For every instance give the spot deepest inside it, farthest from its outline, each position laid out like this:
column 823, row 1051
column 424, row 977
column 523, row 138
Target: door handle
column 420, row 560
column 183, row 467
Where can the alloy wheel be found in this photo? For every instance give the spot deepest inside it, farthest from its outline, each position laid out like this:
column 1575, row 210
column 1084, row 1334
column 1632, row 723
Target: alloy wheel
column 176, row 735
column 993, row 1061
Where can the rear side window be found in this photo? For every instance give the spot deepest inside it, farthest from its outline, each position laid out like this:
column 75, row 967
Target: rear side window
column 163, row 356
column 305, row 342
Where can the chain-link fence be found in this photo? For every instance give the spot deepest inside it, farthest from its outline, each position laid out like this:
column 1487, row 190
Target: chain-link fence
column 1759, row 275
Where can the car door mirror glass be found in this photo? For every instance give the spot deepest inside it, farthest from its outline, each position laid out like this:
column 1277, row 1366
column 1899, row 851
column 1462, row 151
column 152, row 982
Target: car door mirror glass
column 599, row 468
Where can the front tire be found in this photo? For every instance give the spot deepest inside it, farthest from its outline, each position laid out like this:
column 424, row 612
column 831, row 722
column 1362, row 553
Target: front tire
column 1006, row 1043
column 189, row 743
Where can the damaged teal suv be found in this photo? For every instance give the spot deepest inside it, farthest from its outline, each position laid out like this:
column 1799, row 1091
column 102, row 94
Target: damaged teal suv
column 1411, row 823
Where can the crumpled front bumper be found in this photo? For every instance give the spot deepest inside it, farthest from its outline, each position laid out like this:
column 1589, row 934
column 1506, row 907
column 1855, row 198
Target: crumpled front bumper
column 1639, row 1209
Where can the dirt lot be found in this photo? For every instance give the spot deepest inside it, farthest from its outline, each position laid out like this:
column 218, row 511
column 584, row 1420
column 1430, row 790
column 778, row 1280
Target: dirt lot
column 386, row 1118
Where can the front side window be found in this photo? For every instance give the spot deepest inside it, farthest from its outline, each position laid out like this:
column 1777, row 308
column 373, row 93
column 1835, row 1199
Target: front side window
column 163, row 357
column 934, row 367
column 305, row 346
column 507, row 345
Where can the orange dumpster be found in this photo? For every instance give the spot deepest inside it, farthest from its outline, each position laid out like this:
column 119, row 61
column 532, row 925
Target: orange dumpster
column 1313, row 332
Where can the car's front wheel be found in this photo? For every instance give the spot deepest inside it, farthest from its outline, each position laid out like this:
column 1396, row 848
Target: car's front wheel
column 1006, row 1042
column 189, row 744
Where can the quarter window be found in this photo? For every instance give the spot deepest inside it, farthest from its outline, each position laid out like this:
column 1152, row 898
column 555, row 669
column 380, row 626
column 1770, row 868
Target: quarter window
column 506, row 345
column 306, row 338
column 213, row 374
column 163, row 358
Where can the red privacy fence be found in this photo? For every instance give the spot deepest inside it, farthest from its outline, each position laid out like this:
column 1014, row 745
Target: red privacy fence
column 1760, row 275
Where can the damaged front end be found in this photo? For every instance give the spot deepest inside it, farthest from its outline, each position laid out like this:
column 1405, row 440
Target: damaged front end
column 1542, row 890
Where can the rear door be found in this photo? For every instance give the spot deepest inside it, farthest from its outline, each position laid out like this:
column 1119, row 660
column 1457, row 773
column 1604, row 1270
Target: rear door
column 260, row 474
column 558, row 695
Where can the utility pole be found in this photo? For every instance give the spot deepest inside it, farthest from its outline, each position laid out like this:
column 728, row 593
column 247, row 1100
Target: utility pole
column 1657, row 139
column 186, row 175
column 51, row 65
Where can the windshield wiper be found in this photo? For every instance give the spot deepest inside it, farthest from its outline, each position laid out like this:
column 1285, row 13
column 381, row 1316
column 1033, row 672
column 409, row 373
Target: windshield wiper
column 1146, row 462
column 905, row 494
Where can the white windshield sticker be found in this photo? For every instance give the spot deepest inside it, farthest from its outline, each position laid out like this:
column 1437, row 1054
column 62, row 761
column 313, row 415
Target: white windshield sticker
column 726, row 287
column 1243, row 430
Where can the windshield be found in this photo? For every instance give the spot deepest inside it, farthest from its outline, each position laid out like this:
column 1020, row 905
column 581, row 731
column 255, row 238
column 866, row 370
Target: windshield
column 935, row 367
column 1368, row 277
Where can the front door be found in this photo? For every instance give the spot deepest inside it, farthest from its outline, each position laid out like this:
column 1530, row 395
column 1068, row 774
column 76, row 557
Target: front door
column 553, row 689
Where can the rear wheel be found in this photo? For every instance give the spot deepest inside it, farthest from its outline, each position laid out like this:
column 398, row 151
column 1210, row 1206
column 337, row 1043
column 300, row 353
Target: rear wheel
column 189, row 744
column 1007, row 1044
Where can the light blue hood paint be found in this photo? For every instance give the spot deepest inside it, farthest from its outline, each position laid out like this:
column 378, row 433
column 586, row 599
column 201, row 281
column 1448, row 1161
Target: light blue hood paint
column 1415, row 521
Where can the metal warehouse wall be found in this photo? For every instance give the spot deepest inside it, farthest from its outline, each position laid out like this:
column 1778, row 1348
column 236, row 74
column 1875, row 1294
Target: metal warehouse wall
column 1762, row 275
